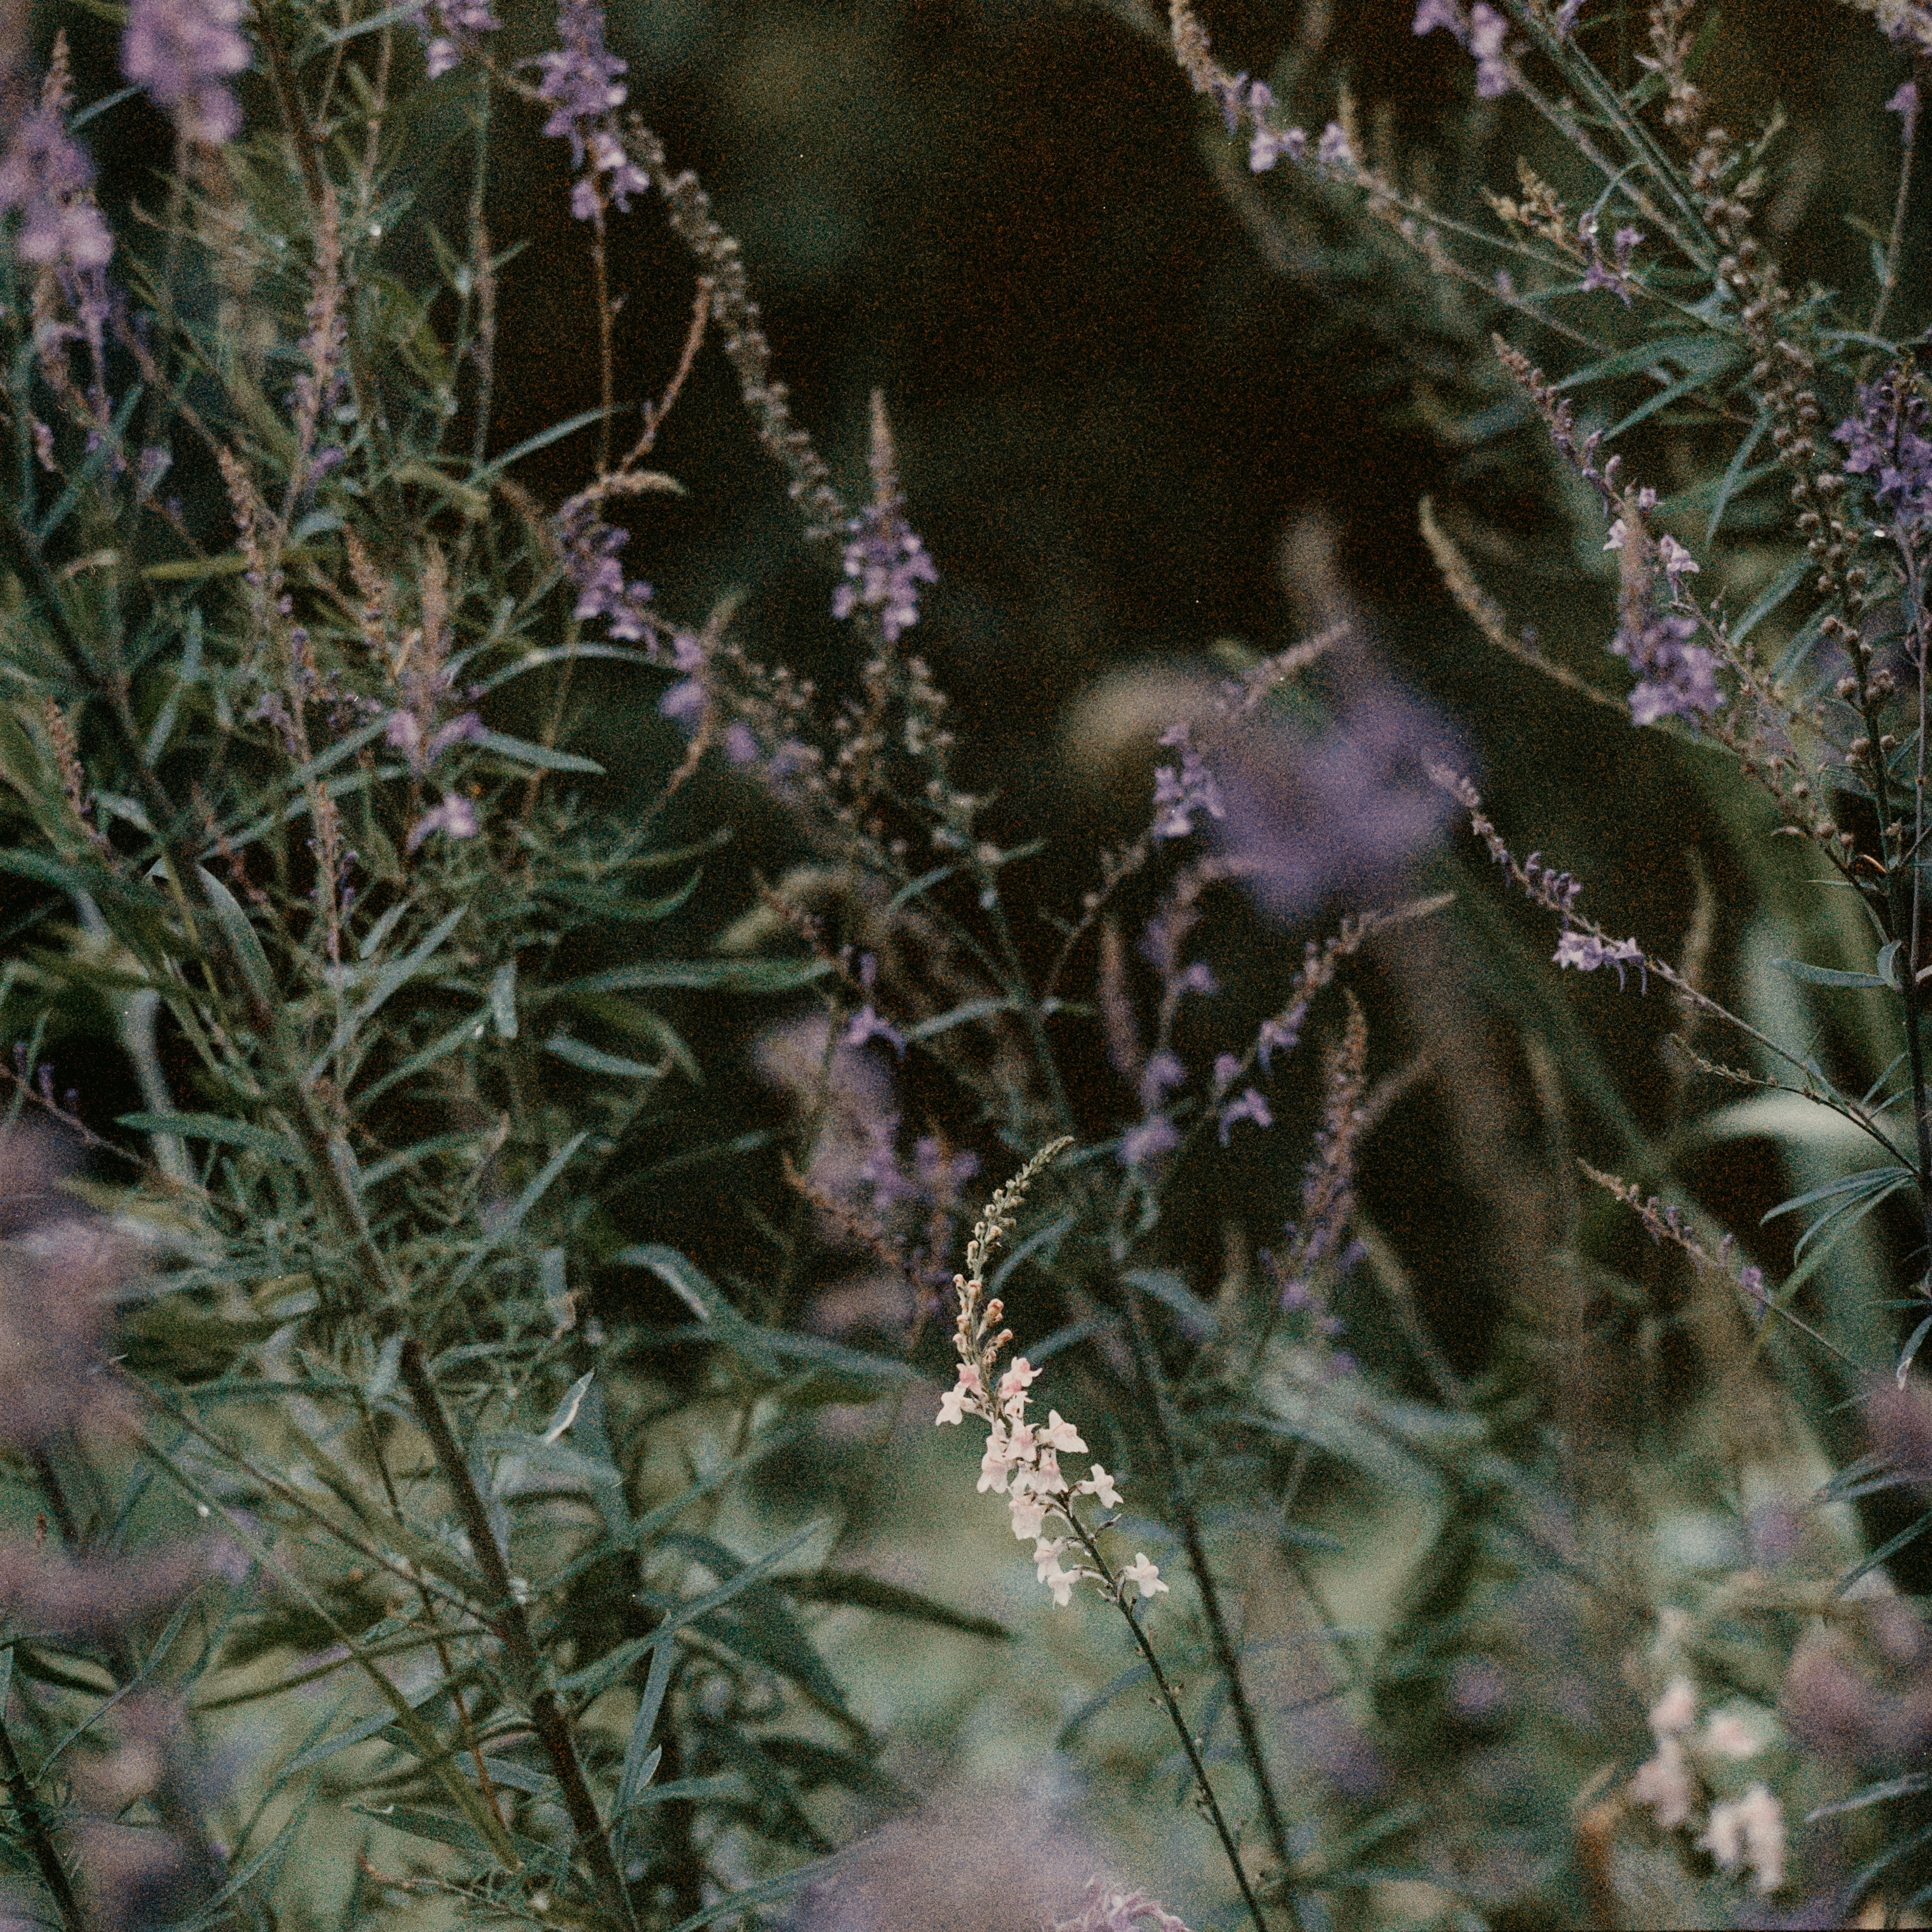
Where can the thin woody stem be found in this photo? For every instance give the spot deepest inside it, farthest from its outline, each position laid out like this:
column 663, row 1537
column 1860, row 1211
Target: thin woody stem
column 1178, row 1720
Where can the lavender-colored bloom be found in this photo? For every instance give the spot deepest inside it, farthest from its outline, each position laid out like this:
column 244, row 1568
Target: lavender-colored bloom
column 1268, row 147
column 1677, row 678
column 1199, row 978
column 48, row 180
column 179, row 50
column 1612, row 271
column 579, row 80
column 1334, row 152
column 1887, row 441
column 740, row 743
column 1143, row 1145
column 1251, row 1106
column 1431, row 14
column 1162, row 1073
column 1277, row 1034
column 1179, row 793
column 466, row 728
column 1586, row 952
column 866, row 1024
column 1229, row 96
column 1226, row 1066
column 884, row 562
column 1566, row 17
column 449, row 28
column 1905, row 104
column 1487, row 30
column 590, row 564
column 456, row 815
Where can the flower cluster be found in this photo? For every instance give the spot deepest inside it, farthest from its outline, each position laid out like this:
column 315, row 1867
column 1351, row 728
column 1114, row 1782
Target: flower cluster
column 1745, row 1832
column 48, row 181
column 1886, row 442
column 885, row 561
column 580, row 81
column 592, row 566
column 1611, row 271
column 1179, row 793
column 449, row 30
column 180, row 50
column 1021, row 1460
column 1586, row 952
column 1482, row 33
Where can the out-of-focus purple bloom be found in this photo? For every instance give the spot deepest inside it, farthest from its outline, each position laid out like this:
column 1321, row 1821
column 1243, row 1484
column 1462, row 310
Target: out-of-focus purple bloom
column 1230, row 93
column 46, row 177
column 179, row 50
column 590, row 563
column 1586, row 952
column 1199, row 978
column 456, row 816
column 1162, row 1074
column 1307, row 818
column 1178, row 794
column 1566, row 17
column 1677, row 678
column 579, row 79
column 1276, row 1035
column 1226, row 1066
column 866, row 1024
column 1431, row 14
column 1251, row 1106
column 740, row 743
column 884, row 563
column 941, row 1174
column 1143, row 1145
column 465, row 728
column 685, row 701
column 1905, row 104
column 1334, row 152
column 1268, row 146
column 1487, row 31
column 1887, row 440
column 449, row 28
column 1611, row 271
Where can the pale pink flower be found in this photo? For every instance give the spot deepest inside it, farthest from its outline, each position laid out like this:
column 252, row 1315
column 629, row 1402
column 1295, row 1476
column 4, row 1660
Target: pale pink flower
column 1676, row 1710
column 1059, row 1434
column 1100, row 1485
column 1727, row 1734
column 953, row 1404
column 1146, row 1575
column 1663, row 1783
column 1021, row 1374
column 1029, row 1514
column 1061, row 1583
column 1749, row 1831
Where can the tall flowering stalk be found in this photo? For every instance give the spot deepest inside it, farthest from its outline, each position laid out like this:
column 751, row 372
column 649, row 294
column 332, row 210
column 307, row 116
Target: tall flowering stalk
column 1022, row 1462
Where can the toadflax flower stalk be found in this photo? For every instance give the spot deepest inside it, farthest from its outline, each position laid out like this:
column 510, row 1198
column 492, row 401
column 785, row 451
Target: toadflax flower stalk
column 1022, row 1462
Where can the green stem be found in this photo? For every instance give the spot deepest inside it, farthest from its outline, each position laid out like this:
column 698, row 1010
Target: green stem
column 27, row 1807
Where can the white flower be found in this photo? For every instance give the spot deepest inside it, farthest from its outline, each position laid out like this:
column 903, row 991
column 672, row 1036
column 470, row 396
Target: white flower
column 1727, row 1734
column 1749, row 1831
column 1676, row 1710
column 1146, row 1574
column 1060, row 1581
column 1099, row 1484
column 954, row 1404
column 1061, row 1435
column 1663, row 1783
column 1046, row 1554
column 997, row 1463
column 1021, row 1374
column 1619, row 535
column 1029, row 1513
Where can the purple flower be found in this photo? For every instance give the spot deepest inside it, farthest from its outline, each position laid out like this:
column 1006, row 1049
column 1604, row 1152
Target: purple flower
column 1431, row 14
column 579, row 80
column 1228, row 96
column 1334, row 152
column 1179, row 793
column 883, row 563
column 449, row 28
column 1143, row 1145
column 1268, row 147
column 1199, row 978
column 740, row 743
column 1612, row 271
column 1586, row 952
column 1487, row 28
column 1887, row 440
column 1162, row 1073
column 1226, row 1066
column 1251, row 1106
column 178, row 50
column 590, row 565
column 1566, row 17
column 866, row 1024
column 456, row 815
column 1905, row 104
column 1277, row 1034
column 45, row 175
column 1677, row 678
